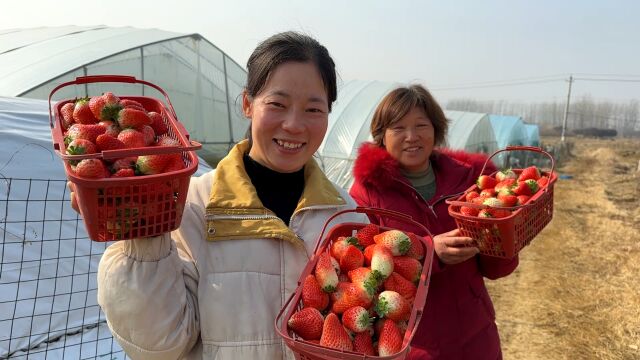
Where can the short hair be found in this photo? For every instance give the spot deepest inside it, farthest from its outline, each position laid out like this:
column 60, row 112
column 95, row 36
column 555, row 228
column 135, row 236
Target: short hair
column 399, row 102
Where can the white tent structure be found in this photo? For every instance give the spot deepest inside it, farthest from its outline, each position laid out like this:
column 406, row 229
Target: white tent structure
column 203, row 83
column 533, row 134
column 510, row 131
column 48, row 265
column 350, row 122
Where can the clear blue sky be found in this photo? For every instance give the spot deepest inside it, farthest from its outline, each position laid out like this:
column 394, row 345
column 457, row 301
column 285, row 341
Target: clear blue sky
column 441, row 44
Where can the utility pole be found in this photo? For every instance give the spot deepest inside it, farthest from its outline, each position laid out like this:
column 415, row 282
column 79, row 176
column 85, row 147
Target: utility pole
column 566, row 110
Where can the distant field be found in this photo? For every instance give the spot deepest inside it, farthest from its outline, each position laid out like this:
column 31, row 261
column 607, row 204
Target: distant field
column 576, row 293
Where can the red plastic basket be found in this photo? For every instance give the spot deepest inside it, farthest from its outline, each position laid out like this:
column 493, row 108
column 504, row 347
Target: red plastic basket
column 133, row 207
column 505, row 237
column 304, row 350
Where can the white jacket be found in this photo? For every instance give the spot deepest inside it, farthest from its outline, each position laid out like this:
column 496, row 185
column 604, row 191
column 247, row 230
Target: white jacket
column 213, row 288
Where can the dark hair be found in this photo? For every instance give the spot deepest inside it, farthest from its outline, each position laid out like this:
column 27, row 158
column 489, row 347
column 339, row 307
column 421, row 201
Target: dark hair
column 399, row 103
column 284, row 47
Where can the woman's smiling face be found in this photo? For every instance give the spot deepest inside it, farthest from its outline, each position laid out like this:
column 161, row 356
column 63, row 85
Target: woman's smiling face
column 289, row 117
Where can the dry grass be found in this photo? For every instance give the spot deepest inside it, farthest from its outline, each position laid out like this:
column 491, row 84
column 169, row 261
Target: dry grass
column 576, row 293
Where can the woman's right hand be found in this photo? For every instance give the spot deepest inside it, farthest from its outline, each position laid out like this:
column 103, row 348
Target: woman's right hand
column 72, row 195
column 452, row 248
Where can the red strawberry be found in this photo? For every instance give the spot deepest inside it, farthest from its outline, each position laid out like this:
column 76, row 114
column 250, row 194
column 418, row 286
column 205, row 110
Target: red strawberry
column 390, row 340
column 357, row 319
column 348, row 295
column 82, row 113
column 105, row 106
column 124, row 163
column 487, row 193
column 469, row 211
column 175, row 164
column 111, row 127
column 67, row 114
column 499, row 213
column 533, row 185
column 381, row 262
column 363, row 278
column 340, row 244
column 128, row 103
column 543, row 182
column 393, row 306
column 407, row 267
column 167, row 141
column 124, row 173
column 522, row 189
column 508, row 200
column 531, row 172
column 522, row 199
column 395, row 240
column 149, row 135
column 486, row 182
column 80, row 147
column 108, row 142
column 326, row 273
column 416, row 250
column 307, row 323
column 81, row 131
column 368, row 254
column 132, row 118
column 157, row 123
column 365, row 234
column 363, row 344
column 91, row 168
column 479, row 200
column 505, row 174
column 334, row 335
column 485, row 213
column 505, row 185
column 351, row 259
column 152, row 164
column 471, row 195
column 396, row 282
column 131, row 138
column 312, row 294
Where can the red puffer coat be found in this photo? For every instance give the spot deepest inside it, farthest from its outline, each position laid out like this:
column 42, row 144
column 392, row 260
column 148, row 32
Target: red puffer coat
column 459, row 319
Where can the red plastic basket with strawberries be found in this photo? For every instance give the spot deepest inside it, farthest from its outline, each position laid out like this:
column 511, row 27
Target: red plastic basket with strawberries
column 504, row 211
column 129, row 158
column 359, row 272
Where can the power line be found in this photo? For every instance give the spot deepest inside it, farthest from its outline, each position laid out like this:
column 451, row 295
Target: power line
column 495, row 85
column 614, row 80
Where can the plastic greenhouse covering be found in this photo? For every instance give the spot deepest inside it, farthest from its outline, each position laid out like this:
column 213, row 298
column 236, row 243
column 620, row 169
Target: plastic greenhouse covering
column 533, row 135
column 48, row 265
column 203, row 83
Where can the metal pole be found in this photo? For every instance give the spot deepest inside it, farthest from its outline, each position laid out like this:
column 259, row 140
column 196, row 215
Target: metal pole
column 566, row 110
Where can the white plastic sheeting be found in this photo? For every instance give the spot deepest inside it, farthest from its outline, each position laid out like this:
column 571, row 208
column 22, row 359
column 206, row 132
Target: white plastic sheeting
column 470, row 131
column 533, row 135
column 48, row 265
column 509, row 130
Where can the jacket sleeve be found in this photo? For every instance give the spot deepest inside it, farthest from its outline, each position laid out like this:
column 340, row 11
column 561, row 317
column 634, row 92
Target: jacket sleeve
column 148, row 290
column 361, row 196
column 494, row 268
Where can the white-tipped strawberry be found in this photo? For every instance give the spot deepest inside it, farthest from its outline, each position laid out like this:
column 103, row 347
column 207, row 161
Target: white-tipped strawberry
column 152, row 164
column 492, row 202
column 357, row 319
column 393, row 306
column 505, row 174
column 381, row 262
column 395, row 240
column 326, row 273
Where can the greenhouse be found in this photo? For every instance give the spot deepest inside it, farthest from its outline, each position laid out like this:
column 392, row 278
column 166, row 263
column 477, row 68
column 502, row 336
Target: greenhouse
column 533, row 135
column 202, row 82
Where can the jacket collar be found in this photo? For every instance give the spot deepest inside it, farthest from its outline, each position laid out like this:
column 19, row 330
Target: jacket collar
column 234, row 210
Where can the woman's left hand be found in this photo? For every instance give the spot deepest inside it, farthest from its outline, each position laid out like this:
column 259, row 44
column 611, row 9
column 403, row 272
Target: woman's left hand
column 454, row 249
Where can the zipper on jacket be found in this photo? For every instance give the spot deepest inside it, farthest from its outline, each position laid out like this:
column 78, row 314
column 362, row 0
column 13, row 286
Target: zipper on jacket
column 211, row 229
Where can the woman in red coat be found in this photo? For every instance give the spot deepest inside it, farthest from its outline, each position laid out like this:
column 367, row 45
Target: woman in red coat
column 402, row 171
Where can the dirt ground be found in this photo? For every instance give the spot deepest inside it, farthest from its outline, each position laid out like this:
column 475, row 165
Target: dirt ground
column 576, row 293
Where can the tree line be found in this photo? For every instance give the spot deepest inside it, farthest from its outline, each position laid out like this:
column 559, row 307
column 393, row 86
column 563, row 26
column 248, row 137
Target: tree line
column 584, row 113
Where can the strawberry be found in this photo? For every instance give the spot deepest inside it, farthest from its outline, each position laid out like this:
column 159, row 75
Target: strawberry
column 348, row 295
column 342, row 277
column 67, row 114
column 167, row 141
column 124, row 163
column 390, row 339
column 492, row 202
column 381, row 262
column 396, row 282
column 471, row 195
column 157, row 123
column 91, row 168
column 124, row 173
column 533, row 185
column 416, row 250
column 149, row 135
column 392, row 305
column 395, row 240
column 175, row 164
column 522, row 199
column 469, row 211
column 352, row 258
column 326, row 273
column 505, row 185
column 108, row 142
column 407, row 267
column 486, row 182
column 80, row 147
column 151, row 164
column 363, row 344
column 105, row 106
column 364, row 278
column 132, row 118
column 128, row 103
column 508, row 200
column 339, row 246
column 82, row 113
column 111, row 127
column 485, row 213
column 81, row 131
column 543, row 182
column 365, row 234
column 522, row 189
column 487, row 193
column 307, row 323
column 531, row 172
column 312, row 294
column 368, row 253
column 499, row 213
column 131, row 138
column 334, row 335
column 505, row 174
column 357, row 319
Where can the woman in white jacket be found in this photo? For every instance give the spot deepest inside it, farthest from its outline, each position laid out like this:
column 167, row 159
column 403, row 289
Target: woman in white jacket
column 212, row 288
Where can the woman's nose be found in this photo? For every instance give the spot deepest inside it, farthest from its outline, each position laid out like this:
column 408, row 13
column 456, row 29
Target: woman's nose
column 292, row 121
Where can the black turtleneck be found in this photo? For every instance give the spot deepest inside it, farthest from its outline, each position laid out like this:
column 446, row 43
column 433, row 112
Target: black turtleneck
column 279, row 192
